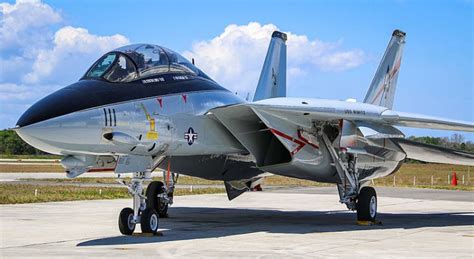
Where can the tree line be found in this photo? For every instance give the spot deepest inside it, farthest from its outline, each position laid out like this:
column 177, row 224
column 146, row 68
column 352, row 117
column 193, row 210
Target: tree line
column 456, row 141
column 12, row 144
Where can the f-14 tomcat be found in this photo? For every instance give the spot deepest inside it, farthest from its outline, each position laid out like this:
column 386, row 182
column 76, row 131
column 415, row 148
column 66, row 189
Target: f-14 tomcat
column 143, row 107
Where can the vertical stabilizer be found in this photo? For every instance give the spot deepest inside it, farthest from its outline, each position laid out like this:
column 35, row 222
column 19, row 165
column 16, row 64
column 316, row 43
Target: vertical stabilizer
column 272, row 82
column 382, row 89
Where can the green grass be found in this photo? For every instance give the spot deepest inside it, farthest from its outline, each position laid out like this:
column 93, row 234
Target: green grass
column 107, row 180
column 274, row 180
column 5, row 156
column 25, row 193
column 20, row 168
column 422, row 174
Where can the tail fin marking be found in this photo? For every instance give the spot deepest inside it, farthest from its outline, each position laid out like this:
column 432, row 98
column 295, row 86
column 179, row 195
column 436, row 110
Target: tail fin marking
column 382, row 89
column 272, row 82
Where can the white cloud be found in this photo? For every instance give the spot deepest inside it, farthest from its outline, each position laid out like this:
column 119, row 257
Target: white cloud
column 26, row 23
column 235, row 57
column 37, row 58
column 39, row 54
column 74, row 48
column 16, row 98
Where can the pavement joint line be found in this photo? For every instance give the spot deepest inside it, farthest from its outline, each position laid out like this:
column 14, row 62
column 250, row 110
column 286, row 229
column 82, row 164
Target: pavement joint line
column 400, row 203
column 45, row 243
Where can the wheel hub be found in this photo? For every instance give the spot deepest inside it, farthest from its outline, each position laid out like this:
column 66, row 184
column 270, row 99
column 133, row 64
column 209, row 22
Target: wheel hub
column 130, row 222
column 373, row 207
column 153, row 222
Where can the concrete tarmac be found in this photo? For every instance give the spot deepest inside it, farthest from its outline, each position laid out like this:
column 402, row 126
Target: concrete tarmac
column 279, row 223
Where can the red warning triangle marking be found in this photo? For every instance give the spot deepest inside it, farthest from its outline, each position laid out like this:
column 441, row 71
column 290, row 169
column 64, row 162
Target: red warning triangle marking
column 160, row 101
column 185, row 98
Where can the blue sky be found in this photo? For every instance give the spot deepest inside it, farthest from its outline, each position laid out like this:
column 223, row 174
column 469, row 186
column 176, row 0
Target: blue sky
column 334, row 48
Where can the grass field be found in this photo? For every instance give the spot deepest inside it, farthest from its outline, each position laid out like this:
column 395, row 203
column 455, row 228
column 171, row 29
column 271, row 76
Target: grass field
column 274, row 180
column 3, row 156
column 37, row 167
column 429, row 175
column 25, row 193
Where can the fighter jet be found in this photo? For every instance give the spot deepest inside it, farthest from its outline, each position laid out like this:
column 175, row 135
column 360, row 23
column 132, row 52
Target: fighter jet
column 143, row 107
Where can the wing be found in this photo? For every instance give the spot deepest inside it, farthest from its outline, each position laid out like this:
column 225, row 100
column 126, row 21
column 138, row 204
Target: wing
column 430, row 122
column 304, row 110
column 434, row 154
column 271, row 127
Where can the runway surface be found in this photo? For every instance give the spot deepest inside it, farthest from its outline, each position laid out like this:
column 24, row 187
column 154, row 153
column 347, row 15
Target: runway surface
column 303, row 222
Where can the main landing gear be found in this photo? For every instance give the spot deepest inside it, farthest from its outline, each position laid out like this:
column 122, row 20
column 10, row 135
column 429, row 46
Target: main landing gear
column 147, row 209
column 364, row 199
column 367, row 204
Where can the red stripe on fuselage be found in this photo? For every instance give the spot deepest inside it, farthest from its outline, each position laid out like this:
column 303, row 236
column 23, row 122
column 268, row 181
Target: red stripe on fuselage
column 306, row 141
column 300, row 142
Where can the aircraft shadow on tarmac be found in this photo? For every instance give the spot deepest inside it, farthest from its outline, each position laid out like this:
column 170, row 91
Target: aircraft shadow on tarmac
column 197, row 223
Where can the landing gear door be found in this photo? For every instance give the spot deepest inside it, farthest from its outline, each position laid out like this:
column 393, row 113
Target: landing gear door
column 132, row 164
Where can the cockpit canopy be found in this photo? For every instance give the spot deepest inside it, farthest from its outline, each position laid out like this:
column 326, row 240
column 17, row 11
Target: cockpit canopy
column 139, row 61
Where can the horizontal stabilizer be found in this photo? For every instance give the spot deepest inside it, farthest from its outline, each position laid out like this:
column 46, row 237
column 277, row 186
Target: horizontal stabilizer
column 434, row 154
column 236, row 188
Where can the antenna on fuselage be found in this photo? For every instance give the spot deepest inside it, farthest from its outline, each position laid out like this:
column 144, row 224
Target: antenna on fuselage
column 192, row 60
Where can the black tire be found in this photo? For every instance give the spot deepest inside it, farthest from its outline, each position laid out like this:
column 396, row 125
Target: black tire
column 149, row 221
column 152, row 201
column 367, row 204
column 124, row 222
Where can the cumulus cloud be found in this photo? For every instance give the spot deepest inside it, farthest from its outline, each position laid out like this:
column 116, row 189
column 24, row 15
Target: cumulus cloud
column 33, row 52
column 39, row 54
column 26, row 22
column 73, row 48
column 235, row 57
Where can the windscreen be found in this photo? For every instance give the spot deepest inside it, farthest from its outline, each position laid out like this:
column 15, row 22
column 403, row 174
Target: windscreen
column 139, row 61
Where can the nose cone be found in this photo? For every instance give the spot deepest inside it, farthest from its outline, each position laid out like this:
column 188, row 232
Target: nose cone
column 39, row 127
column 56, row 104
column 37, row 138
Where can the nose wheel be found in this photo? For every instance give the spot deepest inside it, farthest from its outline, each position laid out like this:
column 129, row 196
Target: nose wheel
column 147, row 217
column 126, row 223
column 149, row 221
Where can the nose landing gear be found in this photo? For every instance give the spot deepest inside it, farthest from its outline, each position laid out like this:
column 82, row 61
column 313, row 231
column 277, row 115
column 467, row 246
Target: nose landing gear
column 126, row 222
column 147, row 217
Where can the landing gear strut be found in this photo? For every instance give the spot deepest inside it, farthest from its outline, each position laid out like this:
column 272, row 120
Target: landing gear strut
column 364, row 199
column 146, row 216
